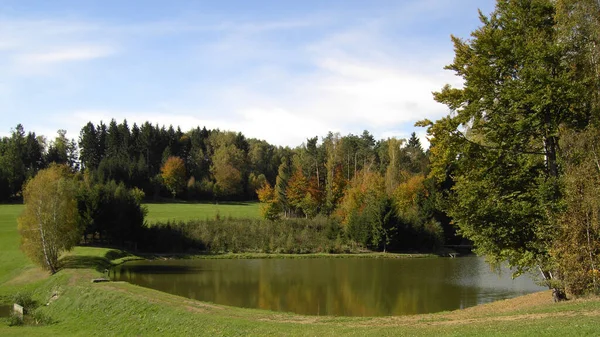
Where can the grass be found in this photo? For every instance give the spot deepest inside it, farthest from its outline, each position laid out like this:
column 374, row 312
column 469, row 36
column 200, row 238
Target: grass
column 202, row 211
column 81, row 308
column 12, row 261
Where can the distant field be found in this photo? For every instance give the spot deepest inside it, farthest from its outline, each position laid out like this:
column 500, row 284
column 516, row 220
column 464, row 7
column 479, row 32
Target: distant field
column 191, row 211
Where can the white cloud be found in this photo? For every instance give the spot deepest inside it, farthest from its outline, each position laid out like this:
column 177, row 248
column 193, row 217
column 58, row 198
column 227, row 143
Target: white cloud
column 347, row 79
column 67, row 54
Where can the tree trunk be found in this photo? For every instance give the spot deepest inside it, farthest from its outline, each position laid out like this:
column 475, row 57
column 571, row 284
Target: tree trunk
column 558, row 295
column 558, row 292
column 45, row 250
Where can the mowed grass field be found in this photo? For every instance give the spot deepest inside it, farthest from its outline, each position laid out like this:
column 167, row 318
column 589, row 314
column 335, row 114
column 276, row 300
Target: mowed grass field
column 194, row 211
column 12, row 260
column 78, row 307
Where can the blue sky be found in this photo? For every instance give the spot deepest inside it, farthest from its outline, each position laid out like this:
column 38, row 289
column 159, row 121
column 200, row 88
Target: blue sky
column 275, row 70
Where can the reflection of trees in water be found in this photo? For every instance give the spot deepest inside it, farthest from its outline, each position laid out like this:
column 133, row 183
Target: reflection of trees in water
column 353, row 287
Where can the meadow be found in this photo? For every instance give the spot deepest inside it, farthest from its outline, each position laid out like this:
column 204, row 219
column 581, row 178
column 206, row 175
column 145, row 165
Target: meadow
column 161, row 212
column 75, row 306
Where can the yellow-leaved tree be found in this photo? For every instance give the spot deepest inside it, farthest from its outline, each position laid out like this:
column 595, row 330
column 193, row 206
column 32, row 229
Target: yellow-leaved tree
column 48, row 224
column 173, row 174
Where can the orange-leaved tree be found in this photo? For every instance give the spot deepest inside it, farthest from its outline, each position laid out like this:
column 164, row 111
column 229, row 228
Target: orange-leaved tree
column 173, row 174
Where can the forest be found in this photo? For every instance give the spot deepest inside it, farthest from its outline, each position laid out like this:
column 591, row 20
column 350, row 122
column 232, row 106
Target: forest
column 377, row 190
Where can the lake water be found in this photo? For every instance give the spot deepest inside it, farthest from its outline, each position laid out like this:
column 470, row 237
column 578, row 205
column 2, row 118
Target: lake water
column 331, row 286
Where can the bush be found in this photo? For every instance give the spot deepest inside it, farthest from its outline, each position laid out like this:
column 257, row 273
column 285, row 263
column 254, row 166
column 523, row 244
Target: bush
column 15, row 320
column 26, row 301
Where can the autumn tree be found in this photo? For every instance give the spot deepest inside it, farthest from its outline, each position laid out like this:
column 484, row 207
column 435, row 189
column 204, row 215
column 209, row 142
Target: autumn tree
column 393, row 174
column 365, row 210
column 296, row 190
column 228, row 163
column 270, row 207
column 419, row 229
column 577, row 251
column 48, row 224
column 173, row 175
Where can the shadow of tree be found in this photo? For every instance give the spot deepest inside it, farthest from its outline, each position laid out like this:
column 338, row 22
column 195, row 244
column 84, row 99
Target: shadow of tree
column 85, row 262
column 114, row 254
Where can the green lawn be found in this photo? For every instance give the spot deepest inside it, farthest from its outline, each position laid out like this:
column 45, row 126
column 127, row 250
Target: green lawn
column 12, row 261
column 81, row 308
column 192, row 211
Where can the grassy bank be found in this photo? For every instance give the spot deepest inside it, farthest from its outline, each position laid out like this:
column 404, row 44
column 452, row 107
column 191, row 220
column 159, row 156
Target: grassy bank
column 79, row 307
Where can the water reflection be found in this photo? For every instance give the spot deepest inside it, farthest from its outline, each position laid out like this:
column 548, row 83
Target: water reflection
column 349, row 287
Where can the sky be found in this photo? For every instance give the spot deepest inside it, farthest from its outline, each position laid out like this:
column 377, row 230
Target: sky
column 282, row 71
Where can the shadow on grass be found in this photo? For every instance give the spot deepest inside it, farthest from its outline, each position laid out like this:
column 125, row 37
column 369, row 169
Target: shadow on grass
column 92, row 262
column 85, row 262
column 114, row 254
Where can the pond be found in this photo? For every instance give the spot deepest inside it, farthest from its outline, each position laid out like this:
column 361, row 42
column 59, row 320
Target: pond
column 331, row 286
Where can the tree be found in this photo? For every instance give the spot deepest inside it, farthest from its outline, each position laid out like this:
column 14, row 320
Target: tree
column 393, row 173
column 227, row 169
column 296, row 189
column 518, row 89
column 173, row 175
column 364, row 210
column 270, row 207
column 281, row 184
column 48, row 225
column 62, row 150
column 577, row 251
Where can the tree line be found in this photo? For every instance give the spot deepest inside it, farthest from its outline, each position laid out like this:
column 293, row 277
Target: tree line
column 378, row 190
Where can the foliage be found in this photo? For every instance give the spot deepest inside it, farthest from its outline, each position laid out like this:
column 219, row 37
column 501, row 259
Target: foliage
column 245, row 235
column 518, row 91
column 173, row 174
column 577, row 249
column 25, row 300
column 228, row 170
column 21, row 157
column 270, row 208
column 110, row 212
column 365, row 211
column 48, row 225
column 281, row 184
column 419, row 227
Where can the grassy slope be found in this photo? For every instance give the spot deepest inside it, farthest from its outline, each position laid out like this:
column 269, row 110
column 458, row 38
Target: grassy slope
column 189, row 211
column 12, row 261
column 117, row 308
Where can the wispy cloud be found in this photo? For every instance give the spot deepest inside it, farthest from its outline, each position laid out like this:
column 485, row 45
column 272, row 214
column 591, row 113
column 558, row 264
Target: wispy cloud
column 282, row 79
column 66, row 54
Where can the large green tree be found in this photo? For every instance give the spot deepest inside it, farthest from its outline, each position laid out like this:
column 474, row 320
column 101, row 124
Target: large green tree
column 500, row 141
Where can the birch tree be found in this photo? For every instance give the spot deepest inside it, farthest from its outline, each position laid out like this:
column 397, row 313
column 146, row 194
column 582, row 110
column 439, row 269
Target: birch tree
column 48, row 224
